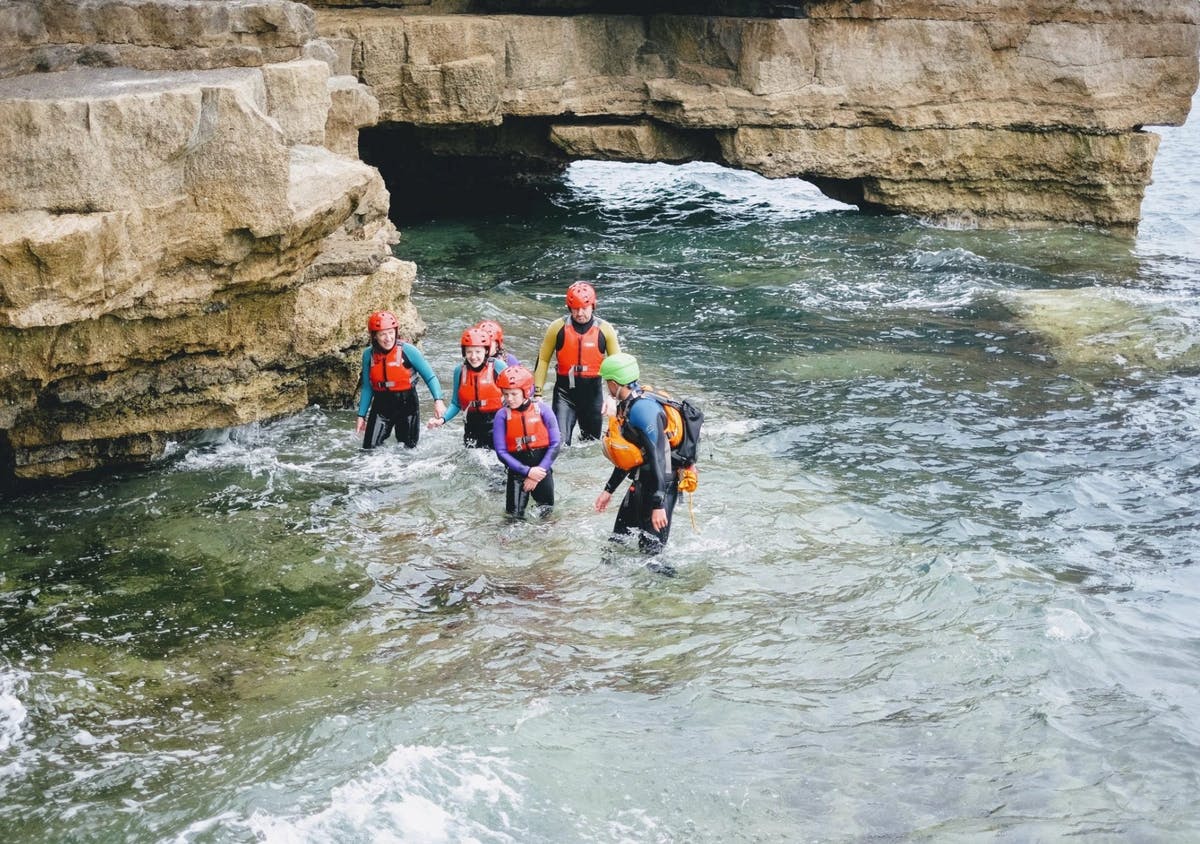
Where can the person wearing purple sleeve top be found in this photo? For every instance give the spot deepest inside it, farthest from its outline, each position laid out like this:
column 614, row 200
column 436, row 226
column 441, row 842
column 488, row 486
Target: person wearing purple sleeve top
column 526, row 438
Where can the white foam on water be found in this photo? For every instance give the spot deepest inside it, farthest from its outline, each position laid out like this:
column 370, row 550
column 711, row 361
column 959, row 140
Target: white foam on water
column 426, row 794
column 13, row 684
column 1066, row 625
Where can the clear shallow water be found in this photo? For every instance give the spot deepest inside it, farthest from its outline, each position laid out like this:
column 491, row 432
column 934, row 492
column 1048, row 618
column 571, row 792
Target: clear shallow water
column 940, row 586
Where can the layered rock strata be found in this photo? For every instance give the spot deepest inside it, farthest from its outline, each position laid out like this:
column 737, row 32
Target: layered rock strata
column 1017, row 113
column 188, row 240
column 184, row 244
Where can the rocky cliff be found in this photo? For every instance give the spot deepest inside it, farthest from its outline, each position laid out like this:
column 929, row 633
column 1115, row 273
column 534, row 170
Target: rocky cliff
column 981, row 112
column 188, row 239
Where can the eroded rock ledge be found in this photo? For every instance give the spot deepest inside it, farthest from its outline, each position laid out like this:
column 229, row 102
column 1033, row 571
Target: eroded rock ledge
column 1016, row 113
column 187, row 238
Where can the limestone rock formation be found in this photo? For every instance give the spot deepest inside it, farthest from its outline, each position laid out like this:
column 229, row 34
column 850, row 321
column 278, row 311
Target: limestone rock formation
column 1014, row 113
column 187, row 238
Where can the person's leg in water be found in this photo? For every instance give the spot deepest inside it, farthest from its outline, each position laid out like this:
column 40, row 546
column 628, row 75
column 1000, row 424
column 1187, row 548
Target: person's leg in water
column 564, row 411
column 515, row 498
column 589, row 405
column 380, row 421
column 543, row 495
column 635, row 514
column 477, row 429
column 408, row 418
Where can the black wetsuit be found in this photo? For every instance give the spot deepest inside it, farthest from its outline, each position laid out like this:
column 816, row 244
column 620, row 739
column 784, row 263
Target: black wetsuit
column 653, row 484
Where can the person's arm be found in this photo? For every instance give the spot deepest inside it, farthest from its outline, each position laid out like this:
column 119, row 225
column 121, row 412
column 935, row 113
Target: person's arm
column 549, row 344
column 551, row 423
column 452, row 409
column 617, row 477
column 612, row 345
column 500, row 443
column 365, row 392
column 648, row 421
column 422, row 368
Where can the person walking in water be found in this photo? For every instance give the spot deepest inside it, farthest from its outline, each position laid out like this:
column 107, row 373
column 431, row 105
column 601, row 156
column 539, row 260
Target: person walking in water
column 579, row 343
column 497, row 350
column 388, row 395
column 526, row 438
column 637, row 444
column 476, row 392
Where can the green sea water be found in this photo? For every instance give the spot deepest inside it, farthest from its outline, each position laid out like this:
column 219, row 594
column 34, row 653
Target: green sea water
column 937, row 582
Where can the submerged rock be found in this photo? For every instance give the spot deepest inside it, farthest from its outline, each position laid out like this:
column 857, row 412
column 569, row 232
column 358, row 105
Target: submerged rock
column 1106, row 332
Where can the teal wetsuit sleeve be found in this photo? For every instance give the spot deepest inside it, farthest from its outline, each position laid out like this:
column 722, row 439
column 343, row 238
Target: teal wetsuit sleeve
column 365, row 392
column 452, row 409
column 422, row 367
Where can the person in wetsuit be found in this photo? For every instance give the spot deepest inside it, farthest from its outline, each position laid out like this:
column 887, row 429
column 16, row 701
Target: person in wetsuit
column 638, row 447
column 497, row 349
column 526, row 438
column 476, row 391
column 578, row 343
column 388, row 395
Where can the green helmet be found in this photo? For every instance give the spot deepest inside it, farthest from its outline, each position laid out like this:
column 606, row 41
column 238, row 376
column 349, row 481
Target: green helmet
column 621, row 367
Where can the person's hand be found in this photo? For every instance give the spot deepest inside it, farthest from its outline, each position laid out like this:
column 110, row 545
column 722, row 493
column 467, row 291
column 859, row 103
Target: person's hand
column 537, row 473
column 658, row 518
column 602, row 501
column 435, row 422
column 439, row 408
column 361, row 424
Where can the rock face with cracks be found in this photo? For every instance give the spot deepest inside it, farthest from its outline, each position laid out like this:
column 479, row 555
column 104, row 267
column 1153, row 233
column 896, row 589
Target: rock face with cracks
column 188, row 239
column 1011, row 113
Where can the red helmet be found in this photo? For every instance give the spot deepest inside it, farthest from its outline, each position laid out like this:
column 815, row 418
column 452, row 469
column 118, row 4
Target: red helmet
column 475, row 336
column 516, row 378
column 493, row 328
column 581, row 295
column 381, row 320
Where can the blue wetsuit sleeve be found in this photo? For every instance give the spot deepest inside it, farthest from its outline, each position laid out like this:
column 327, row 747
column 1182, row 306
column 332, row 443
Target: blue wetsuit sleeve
column 422, row 367
column 365, row 392
column 452, row 409
column 498, row 366
column 551, row 423
column 648, row 421
column 500, row 443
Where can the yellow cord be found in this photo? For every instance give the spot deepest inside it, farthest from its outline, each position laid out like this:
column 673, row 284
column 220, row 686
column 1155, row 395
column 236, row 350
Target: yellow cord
column 689, row 479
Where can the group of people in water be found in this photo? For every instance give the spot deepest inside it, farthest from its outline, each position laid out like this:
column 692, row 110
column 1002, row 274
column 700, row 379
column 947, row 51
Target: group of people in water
column 500, row 401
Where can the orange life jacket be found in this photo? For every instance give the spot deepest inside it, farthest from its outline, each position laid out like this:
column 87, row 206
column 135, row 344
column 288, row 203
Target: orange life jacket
column 390, row 373
column 525, row 429
column 477, row 390
column 624, row 454
column 580, row 354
